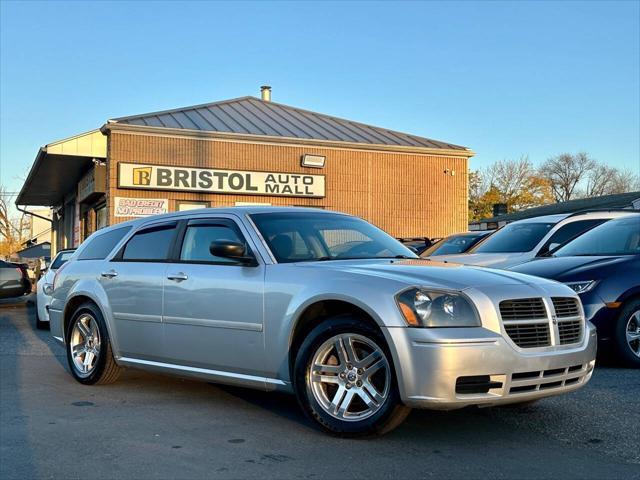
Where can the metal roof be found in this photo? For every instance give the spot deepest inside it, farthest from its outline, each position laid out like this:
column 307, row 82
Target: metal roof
column 614, row 201
column 253, row 116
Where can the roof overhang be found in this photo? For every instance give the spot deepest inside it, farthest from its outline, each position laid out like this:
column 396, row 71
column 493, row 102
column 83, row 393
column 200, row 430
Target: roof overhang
column 59, row 166
column 267, row 139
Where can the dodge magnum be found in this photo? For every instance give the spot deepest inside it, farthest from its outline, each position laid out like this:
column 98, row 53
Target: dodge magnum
column 320, row 304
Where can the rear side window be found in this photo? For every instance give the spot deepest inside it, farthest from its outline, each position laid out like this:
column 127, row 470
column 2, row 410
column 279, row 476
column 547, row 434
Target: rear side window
column 99, row 247
column 569, row 231
column 151, row 244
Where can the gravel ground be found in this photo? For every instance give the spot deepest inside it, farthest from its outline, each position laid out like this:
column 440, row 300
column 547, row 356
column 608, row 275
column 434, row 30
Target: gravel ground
column 151, row 426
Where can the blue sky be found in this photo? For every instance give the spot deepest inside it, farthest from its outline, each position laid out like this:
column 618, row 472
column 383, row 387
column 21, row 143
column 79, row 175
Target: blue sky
column 503, row 78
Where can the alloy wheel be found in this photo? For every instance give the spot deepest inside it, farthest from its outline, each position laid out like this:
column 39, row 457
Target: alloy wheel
column 85, row 344
column 633, row 333
column 349, row 377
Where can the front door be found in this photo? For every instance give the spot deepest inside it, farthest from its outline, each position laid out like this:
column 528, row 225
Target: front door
column 213, row 306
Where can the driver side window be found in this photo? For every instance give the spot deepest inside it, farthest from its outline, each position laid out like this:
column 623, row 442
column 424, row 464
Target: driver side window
column 198, row 238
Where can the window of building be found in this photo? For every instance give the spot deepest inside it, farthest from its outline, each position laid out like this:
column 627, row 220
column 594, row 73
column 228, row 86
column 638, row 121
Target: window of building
column 184, row 205
column 150, row 244
column 101, row 217
column 99, row 246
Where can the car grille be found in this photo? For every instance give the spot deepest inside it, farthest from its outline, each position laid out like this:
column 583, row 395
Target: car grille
column 566, row 307
column 526, row 382
column 569, row 320
column 526, row 322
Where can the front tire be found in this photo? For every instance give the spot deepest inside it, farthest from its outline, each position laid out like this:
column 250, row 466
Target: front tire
column 627, row 334
column 89, row 352
column 345, row 381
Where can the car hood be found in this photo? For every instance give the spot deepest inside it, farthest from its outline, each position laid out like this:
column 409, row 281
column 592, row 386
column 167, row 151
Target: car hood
column 494, row 260
column 558, row 267
column 425, row 272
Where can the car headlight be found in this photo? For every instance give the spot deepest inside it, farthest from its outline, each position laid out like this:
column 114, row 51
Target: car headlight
column 425, row 308
column 581, row 287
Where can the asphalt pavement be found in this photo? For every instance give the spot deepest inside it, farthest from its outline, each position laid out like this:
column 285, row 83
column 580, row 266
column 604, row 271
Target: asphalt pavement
column 152, row 426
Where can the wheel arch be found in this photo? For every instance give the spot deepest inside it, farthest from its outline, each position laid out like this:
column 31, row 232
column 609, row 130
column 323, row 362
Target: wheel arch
column 314, row 312
column 83, row 293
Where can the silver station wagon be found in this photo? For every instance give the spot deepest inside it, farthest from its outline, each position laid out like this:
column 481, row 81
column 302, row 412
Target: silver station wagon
column 320, row 304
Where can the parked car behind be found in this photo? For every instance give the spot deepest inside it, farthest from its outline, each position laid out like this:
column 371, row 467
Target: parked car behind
column 14, row 281
column 520, row 241
column 603, row 267
column 317, row 303
column 417, row 244
column 44, row 287
column 457, row 243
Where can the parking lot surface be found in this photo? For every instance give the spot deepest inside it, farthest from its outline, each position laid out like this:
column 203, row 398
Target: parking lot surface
column 151, row 426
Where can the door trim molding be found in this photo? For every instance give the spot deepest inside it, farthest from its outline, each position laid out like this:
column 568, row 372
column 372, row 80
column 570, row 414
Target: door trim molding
column 203, row 322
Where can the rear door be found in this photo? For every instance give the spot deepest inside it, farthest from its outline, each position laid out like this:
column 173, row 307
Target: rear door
column 133, row 282
column 213, row 306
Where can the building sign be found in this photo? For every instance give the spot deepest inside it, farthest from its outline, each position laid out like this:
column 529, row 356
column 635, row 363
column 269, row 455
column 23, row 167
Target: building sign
column 211, row 180
column 140, row 207
column 92, row 184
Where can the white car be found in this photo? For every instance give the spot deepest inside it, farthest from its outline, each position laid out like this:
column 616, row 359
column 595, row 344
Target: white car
column 523, row 240
column 44, row 287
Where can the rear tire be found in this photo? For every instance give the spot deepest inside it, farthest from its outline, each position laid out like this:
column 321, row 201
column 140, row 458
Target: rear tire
column 345, row 380
column 89, row 352
column 627, row 334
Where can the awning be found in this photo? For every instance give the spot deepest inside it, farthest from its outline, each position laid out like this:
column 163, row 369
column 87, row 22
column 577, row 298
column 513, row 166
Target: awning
column 59, row 166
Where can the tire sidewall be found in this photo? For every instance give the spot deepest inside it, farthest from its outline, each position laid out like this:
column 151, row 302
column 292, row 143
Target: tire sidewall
column 327, row 329
column 624, row 352
column 104, row 340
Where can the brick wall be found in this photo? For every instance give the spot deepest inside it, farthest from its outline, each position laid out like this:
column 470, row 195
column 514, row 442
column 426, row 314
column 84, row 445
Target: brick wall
column 404, row 194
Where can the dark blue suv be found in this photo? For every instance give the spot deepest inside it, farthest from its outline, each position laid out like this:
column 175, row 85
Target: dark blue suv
column 603, row 267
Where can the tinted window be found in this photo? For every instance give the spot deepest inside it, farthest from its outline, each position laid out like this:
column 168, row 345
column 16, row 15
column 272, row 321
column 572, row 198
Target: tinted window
column 293, row 237
column 150, row 244
column 61, row 259
column 198, row 238
column 615, row 237
column 569, row 231
column 515, row 237
column 101, row 245
column 454, row 244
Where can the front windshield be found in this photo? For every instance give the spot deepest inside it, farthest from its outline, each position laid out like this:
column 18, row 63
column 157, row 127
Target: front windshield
column 615, row 237
column 298, row 237
column 515, row 237
column 452, row 245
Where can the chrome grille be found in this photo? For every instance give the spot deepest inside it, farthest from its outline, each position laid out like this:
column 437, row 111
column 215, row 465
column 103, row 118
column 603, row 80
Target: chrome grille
column 525, row 321
column 569, row 321
column 570, row 332
column 565, row 307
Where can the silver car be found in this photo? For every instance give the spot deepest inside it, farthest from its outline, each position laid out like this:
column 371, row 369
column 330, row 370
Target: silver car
column 320, row 304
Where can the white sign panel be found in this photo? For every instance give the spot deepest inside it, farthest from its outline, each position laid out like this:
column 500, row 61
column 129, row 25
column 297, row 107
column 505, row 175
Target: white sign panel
column 211, row 180
column 140, row 207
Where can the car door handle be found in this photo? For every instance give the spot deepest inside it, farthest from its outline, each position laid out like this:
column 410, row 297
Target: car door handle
column 109, row 274
column 177, row 277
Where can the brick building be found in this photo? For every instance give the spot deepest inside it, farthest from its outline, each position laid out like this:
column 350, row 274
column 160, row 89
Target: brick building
column 248, row 151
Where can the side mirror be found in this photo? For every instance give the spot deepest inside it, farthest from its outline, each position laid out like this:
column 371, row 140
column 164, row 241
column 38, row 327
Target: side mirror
column 232, row 250
column 553, row 246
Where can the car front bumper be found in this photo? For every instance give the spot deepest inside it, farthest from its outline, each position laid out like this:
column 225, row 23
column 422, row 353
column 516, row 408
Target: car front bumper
column 429, row 363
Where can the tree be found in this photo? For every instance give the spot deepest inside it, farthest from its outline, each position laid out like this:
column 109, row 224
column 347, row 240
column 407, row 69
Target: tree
column 513, row 182
column 13, row 228
column 565, row 172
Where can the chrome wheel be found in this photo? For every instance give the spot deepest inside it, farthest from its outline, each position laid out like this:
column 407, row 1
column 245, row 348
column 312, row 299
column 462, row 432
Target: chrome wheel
column 349, row 377
column 84, row 344
column 633, row 333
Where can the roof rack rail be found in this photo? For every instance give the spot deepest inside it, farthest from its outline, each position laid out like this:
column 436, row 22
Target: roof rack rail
column 594, row 210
